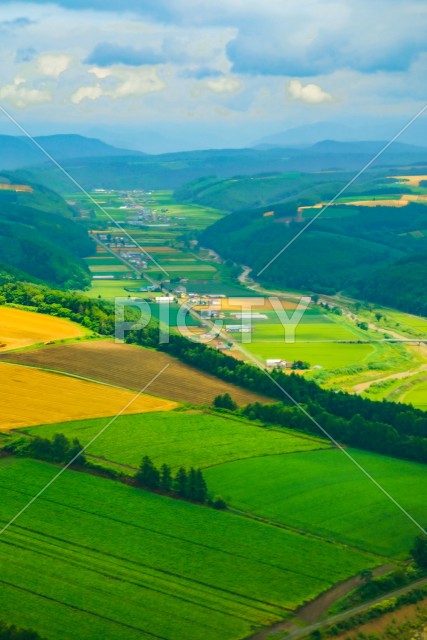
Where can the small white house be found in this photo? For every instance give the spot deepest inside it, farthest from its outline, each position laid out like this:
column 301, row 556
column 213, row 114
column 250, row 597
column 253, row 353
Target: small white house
column 275, row 362
column 162, row 299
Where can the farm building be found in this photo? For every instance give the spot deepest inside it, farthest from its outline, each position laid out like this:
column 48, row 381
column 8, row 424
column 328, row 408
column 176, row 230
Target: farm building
column 276, row 362
column 162, row 299
column 238, row 328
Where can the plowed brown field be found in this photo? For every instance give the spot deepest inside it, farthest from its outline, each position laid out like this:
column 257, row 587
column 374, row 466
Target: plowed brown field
column 132, row 367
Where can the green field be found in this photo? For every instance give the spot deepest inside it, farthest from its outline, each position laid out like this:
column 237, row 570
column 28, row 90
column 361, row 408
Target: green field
column 114, row 288
column 116, row 562
column 329, row 355
column 181, row 438
column 417, row 395
column 323, row 492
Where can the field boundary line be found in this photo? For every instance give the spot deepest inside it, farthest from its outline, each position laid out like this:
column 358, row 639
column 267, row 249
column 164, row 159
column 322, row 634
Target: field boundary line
column 344, row 189
column 303, row 410
column 307, row 534
column 68, row 374
column 77, row 184
column 83, row 449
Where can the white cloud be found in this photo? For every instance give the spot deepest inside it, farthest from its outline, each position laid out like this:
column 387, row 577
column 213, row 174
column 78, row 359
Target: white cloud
column 309, row 93
column 87, row 93
column 53, row 64
column 21, row 96
column 223, row 84
column 120, row 82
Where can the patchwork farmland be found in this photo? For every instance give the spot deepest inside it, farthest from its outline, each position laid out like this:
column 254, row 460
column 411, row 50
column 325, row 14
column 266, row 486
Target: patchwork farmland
column 133, row 367
column 116, row 562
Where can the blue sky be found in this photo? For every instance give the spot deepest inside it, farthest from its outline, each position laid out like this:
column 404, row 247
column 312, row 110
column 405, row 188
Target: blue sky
column 211, row 73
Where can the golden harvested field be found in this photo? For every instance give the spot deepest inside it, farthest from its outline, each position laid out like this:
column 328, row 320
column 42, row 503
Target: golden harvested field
column 412, row 181
column 30, row 397
column 132, row 367
column 244, row 304
column 23, row 328
column 379, row 202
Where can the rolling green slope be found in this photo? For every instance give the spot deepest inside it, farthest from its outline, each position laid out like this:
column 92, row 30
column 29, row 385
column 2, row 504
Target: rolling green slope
column 40, row 239
column 117, row 562
column 401, row 285
column 181, row 439
column 333, row 254
column 325, row 493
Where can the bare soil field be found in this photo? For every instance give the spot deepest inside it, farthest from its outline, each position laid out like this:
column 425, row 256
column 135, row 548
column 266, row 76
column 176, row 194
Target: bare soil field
column 133, row 367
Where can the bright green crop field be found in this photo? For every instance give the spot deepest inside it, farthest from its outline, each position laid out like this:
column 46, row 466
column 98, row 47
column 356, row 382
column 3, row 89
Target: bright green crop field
column 180, row 439
column 116, row 562
column 330, row 355
column 325, row 493
column 417, row 395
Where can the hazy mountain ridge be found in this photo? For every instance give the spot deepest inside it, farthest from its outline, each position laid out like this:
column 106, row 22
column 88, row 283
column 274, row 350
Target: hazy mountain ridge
column 17, row 152
column 173, row 170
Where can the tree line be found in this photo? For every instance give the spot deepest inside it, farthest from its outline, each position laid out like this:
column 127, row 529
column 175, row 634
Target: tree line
column 10, row 632
column 96, row 315
column 189, row 485
column 384, row 427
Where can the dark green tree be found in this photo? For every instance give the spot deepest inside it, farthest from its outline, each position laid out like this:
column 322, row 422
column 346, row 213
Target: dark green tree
column 419, row 551
column 147, row 476
column 201, row 489
column 191, row 489
column 225, row 401
column 180, row 482
column 60, row 448
column 165, row 478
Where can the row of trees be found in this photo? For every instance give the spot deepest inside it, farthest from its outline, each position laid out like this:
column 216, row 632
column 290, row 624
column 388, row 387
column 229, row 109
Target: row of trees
column 190, row 485
column 385, row 427
column 96, row 315
column 59, row 449
column 10, row 632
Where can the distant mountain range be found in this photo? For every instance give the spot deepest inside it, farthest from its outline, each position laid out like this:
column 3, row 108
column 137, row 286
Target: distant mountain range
column 309, row 134
column 95, row 164
column 17, row 152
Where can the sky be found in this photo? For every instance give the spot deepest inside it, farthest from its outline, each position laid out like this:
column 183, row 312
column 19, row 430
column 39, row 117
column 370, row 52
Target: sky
column 180, row 74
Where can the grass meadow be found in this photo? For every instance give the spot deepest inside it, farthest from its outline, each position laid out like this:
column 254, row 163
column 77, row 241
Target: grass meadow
column 117, row 562
column 324, row 493
column 181, row 438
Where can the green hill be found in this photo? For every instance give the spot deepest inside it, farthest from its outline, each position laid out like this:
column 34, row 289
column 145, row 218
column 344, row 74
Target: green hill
column 401, row 285
column 336, row 253
column 39, row 240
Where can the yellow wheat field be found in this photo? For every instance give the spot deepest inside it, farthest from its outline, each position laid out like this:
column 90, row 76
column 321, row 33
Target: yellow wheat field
column 24, row 328
column 412, row 181
column 31, row 396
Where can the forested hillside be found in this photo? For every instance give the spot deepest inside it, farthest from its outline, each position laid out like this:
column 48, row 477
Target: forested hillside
column 401, row 285
column 240, row 191
column 39, row 240
column 347, row 252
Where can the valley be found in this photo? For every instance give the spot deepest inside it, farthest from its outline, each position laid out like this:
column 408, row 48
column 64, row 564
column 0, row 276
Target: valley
column 290, row 513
